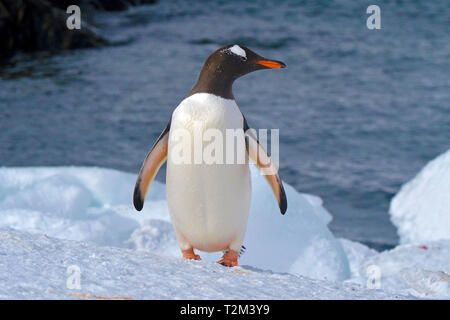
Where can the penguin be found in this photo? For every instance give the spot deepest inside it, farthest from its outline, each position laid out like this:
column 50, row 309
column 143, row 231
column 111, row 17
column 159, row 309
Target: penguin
column 209, row 203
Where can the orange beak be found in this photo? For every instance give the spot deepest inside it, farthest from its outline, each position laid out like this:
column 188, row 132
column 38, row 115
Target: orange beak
column 272, row 64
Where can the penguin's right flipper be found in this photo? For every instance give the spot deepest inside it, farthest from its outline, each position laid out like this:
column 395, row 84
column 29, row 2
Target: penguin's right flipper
column 154, row 160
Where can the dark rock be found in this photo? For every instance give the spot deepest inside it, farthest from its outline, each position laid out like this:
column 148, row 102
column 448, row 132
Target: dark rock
column 107, row 5
column 31, row 25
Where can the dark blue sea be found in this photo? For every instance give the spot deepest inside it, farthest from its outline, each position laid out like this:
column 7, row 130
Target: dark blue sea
column 360, row 111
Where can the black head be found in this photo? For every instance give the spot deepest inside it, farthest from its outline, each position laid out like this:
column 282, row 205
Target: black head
column 226, row 65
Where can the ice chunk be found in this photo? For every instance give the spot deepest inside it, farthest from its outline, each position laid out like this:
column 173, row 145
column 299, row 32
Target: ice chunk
column 421, row 209
column 94, row 204
column 298, row 242
column 421, row 270
column 66, row 202
column 356, row 253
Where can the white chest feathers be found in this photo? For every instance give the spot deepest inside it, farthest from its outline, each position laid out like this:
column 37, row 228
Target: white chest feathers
column 208, row 203
column 208, row 110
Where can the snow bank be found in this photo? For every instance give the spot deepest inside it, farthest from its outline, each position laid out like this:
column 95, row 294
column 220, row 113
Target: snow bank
column 35, row 266
column 421, row 209
column 93, row 204
column 419, row 270
column 298, row 242
column 93, row 207
column 356, row 254
column 70, row 203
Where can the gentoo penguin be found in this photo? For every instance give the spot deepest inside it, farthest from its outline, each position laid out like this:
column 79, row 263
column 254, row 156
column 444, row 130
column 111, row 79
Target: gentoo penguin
column 208, row 202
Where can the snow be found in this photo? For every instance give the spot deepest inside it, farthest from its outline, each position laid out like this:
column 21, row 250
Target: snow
column 421, row 210
column 94, row 204
column 37, row 266
column 68, row 203
column 356, row 253
column 419, row 270
column 52, row 219
column 298, row 242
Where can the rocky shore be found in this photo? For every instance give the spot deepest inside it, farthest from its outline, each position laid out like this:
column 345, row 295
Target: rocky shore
column 36, row 25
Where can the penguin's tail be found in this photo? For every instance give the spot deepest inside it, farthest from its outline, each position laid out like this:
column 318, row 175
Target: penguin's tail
column 242, row 251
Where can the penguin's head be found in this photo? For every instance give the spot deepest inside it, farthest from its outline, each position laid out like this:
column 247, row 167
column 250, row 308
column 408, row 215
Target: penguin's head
column 225, row 65
column 234, row 61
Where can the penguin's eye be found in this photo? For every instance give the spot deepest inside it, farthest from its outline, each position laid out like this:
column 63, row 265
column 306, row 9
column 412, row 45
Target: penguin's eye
column 243, row 58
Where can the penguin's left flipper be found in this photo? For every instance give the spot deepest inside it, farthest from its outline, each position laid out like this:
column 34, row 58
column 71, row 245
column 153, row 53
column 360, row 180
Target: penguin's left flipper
column 260, row 157
column 154, row 160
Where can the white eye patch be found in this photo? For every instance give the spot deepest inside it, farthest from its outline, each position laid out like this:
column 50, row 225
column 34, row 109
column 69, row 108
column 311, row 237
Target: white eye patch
column 237, row 51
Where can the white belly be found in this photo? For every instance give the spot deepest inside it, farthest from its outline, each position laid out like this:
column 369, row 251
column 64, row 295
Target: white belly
column 208, row 203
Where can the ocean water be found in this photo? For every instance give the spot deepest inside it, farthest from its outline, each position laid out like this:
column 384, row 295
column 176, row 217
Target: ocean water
column 359, row 111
